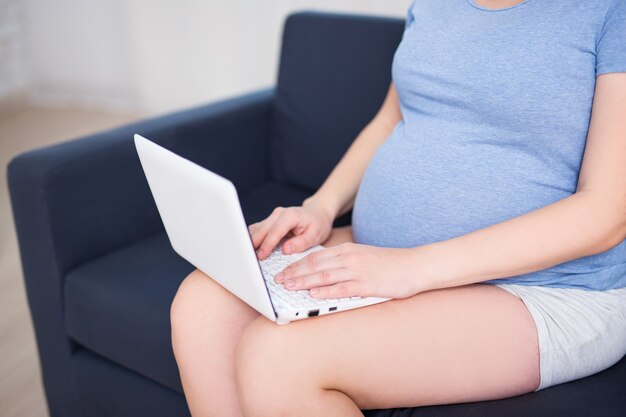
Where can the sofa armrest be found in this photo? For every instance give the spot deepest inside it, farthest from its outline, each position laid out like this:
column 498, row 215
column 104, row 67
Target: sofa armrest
column 78, row 200
column 93, row 194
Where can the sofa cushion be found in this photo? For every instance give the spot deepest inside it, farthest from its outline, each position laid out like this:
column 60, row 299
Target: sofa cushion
column 334, row 74
column 118, row 305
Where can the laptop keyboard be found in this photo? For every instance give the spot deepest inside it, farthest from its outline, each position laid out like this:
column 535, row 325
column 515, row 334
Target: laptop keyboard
column 275, row 263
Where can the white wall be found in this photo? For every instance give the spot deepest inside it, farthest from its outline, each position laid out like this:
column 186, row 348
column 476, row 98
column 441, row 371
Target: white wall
column 79, row 53
column 159, row 55
column 13, row 75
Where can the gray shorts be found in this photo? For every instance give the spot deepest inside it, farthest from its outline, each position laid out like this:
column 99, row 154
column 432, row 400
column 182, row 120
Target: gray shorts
column 580, row 332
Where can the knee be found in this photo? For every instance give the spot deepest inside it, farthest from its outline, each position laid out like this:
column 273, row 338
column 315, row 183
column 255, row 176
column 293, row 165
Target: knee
column 265, row 370
column 254, row 353
column 182, row 305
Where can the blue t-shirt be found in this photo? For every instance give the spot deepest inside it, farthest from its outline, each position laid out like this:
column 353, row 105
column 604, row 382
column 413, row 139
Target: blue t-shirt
column 496, row 107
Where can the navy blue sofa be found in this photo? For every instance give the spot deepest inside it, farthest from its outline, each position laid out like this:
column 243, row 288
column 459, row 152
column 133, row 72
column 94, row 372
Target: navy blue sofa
column 100, row 273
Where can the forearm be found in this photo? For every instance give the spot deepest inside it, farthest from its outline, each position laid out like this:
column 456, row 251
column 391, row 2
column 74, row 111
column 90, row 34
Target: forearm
column 580, row 225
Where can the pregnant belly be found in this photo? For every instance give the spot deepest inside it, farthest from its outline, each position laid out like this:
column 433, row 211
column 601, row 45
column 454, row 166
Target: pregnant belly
column 416, row 192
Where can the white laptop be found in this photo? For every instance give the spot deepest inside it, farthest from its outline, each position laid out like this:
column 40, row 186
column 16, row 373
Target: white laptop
column 205, row 225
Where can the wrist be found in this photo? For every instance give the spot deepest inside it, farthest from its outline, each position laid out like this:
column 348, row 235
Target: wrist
column 425, row 269
column 325, row 206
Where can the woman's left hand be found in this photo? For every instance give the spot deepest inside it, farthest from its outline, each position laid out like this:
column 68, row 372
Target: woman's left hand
column 350, row 270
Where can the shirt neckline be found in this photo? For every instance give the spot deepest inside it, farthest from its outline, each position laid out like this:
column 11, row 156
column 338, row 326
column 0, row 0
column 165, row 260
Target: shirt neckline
column 504, row 9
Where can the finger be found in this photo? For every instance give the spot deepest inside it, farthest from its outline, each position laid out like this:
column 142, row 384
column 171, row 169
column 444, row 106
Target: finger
column 260, row 231
column 299, row 243
column 312, row 263
column 309, row 263
column 323, row 278
column 342, row 289
column 263, row 226
column 252, row 228
column 278, row 230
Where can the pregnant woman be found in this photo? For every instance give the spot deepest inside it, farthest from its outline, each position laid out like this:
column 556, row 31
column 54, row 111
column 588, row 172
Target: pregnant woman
column 489, row 200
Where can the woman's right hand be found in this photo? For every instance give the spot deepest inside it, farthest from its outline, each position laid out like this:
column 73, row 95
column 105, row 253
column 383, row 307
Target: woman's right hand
column 309, row 223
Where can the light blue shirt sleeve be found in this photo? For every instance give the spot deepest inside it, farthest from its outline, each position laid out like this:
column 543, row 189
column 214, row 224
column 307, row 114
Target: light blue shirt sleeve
column 611, row 49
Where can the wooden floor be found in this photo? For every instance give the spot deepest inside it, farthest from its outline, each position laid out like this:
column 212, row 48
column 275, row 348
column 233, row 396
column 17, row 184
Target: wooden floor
column 21, row 393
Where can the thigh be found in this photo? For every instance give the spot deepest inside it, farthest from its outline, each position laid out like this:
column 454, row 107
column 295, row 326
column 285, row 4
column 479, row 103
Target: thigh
column 202, row 309
column 463, row 344
column 207, row 322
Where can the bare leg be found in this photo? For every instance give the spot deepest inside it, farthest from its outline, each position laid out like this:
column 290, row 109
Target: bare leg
column 207, row 322
column 463, row 344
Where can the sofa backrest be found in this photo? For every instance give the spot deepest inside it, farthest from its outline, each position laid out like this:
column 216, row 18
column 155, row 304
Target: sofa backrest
column 334, row 73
